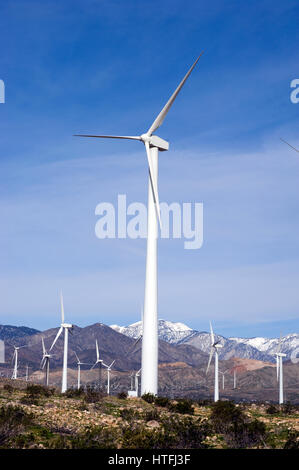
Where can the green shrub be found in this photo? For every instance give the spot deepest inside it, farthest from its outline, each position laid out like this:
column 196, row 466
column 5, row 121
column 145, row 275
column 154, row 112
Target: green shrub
column 96, row 438
column 122, row 395
column 238, row 430
column 183, row 406
column 8, row 388
column 172, row 434
column 34, row 391
column 93, row 396
column 29, row 400
column 288, row 409
column 148, row 397
column 152, row 415
column 272, row 410
column 292, row 441
column 13, row 420
column 128, row 414
column 74, row 393
column 224, row 414
column 162, row 401
column 246, row 434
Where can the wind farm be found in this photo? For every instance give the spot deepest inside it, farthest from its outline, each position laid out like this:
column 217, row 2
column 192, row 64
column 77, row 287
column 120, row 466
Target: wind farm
column 198, row 225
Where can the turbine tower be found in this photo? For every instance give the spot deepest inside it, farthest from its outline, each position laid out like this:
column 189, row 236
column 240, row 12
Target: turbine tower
column 45, row 362
column 16, row 364
column 153, row 144
column 215, row 345
column 63, row 327
column 279, row 370
column 108, row 375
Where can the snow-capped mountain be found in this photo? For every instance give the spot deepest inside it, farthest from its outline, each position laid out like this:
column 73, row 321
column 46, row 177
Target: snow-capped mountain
column 262, row 349
column 168, row 331
column 289, row 343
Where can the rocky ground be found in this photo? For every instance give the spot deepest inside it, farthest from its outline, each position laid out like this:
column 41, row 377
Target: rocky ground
column 36, row 417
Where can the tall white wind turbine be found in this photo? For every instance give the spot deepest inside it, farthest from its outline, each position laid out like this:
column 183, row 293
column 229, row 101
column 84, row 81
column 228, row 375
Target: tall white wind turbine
column 64, row 327
column 279, row 355
column 215, row 345
column 153, row 143
column 15, row 358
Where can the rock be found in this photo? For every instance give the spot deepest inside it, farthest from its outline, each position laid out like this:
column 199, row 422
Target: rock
column 153, row 424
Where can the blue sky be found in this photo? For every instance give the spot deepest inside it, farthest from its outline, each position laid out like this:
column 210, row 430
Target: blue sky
column 108, row 67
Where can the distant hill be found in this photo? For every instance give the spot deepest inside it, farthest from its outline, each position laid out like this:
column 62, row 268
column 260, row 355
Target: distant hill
column 8, row 332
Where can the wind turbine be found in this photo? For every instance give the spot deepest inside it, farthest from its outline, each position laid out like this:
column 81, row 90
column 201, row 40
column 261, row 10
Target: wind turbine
column 223, row 377
column 100, row 362
column 279, row 371
column 215, row 345
column 45, row 362
column 63, row 327
column 15, row 358
column 235, row 379
column 79, row 364
column 153, row 144
column 108, row 375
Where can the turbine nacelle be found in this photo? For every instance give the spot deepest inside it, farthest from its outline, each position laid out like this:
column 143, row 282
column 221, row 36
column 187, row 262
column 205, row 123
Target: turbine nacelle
column 155, row 141
column 66, row 325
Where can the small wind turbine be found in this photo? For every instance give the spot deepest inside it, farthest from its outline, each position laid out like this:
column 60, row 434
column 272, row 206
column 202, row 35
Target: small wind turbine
column 63, row 327
column 27, row 373
column 45, row 362
column 235, row 379
column 279, row 371
column 108, row 375
column 79, row 364
column 16, row 364
column 215, row 345
column 223, row 377
column 100, row 362
column 153, row 144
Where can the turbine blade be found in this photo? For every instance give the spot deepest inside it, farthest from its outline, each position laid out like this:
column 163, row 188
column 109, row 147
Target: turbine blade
column 153, row 181
column 94, row 365
column 43, row 344
column 210, row 358
column 127, row 137
column 277, row 367
column 112, row 364
column 294, row 148
column 161, row 116
column 212, row 334
column 97, row 350
column 57, row 336
column 43, row 363
column 77, row 356
column 62, row 308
